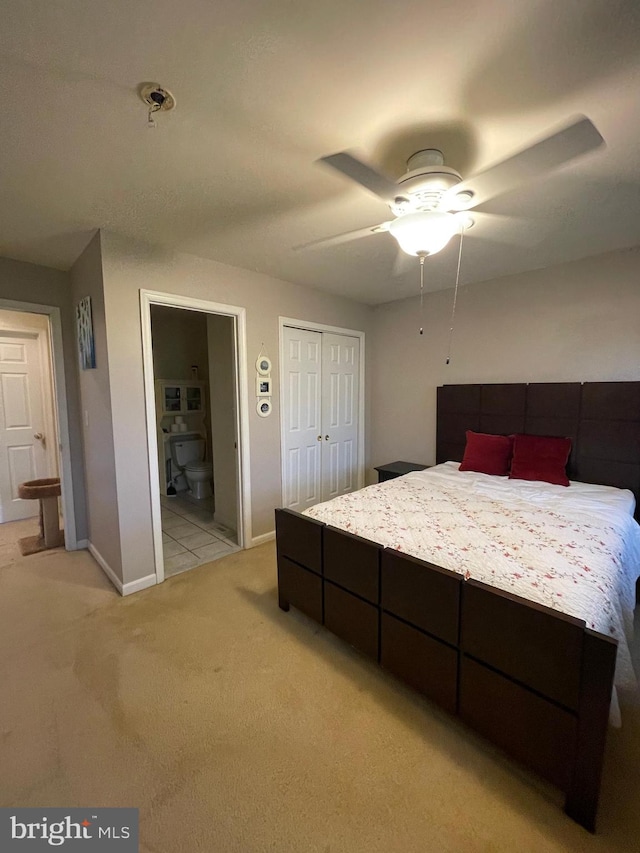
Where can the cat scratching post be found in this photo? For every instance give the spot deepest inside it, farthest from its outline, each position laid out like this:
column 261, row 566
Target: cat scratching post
column 47, row 491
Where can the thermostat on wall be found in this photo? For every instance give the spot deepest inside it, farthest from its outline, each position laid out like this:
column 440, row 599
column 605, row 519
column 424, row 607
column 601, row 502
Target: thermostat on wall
column 264, row 408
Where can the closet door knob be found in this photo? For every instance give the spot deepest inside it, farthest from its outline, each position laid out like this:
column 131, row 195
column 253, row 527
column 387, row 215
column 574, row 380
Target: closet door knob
column 326, row 438
column 319, row 438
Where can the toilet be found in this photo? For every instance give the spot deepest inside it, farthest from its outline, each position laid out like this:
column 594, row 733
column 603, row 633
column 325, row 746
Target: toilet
column 187, row 454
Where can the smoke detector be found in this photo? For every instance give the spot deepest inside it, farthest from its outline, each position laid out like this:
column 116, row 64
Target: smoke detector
column 157, row 97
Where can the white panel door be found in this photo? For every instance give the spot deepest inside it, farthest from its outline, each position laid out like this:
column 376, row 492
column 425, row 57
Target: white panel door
column 301, row 399
column 22, row 454
column 320, row 408
column 340, row 403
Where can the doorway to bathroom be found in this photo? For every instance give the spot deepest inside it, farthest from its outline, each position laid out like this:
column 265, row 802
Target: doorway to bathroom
column 196, row 447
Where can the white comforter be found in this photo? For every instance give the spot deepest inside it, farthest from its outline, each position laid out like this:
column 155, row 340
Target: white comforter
column 576, row 548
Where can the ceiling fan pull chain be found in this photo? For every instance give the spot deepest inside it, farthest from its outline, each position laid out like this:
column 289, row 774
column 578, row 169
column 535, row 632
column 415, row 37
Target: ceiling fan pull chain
column 421, row 292
column 153, row 108
column 455, row 299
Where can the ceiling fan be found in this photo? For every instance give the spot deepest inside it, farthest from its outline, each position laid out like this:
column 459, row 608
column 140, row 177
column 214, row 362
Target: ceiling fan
column 430, row 202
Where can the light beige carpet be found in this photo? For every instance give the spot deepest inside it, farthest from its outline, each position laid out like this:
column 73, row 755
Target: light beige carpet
column 235, row 727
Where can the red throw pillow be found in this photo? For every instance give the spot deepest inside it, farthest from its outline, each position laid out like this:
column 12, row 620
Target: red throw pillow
column 540, row 457
column 488, row 454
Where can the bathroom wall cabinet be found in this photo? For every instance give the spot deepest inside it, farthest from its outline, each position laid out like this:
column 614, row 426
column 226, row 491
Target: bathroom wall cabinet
column 179, row 398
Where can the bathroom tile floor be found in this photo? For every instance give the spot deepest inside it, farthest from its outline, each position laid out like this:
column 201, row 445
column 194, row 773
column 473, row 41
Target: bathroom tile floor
column 190, row 536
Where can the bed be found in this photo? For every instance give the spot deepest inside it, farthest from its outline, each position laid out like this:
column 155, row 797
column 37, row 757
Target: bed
column 441, row 605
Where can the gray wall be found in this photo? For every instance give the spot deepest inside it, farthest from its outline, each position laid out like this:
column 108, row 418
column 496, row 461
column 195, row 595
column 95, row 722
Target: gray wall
column 40, row 285
column 578, row 321
column 179, row 340
column 129, row 266
column 95, row 400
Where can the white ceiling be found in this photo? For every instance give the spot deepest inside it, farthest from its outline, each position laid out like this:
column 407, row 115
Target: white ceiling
column 265, row 87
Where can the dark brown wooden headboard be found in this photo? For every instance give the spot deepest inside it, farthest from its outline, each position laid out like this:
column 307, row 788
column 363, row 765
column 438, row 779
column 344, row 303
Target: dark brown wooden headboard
column 601, row 418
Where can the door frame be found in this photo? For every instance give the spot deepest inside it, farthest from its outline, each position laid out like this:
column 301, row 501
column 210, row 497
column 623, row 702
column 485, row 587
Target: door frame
column 61, row 413
column 307, row 325
column 173, row 300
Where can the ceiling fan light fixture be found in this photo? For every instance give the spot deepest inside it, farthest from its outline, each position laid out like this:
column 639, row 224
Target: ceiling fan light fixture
column 424, row 232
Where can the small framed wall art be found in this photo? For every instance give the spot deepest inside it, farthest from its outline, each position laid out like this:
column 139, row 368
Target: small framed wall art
column 264, row 408
column 86, row 345
column 263, row 386
column 263, row 365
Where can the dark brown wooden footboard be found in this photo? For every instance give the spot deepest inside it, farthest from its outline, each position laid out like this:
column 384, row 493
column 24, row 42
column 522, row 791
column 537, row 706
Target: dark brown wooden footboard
column 535, row 682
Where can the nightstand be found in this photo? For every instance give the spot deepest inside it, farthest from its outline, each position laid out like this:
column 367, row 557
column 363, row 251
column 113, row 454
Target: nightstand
column 396, row 469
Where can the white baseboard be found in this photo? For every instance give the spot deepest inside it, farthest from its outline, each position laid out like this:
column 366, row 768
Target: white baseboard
column 265, row 537
column 140, row 584
column 106, row 568
column 123, row 589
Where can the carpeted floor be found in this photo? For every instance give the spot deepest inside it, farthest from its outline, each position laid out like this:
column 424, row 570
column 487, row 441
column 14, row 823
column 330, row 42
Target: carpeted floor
column 235, row 727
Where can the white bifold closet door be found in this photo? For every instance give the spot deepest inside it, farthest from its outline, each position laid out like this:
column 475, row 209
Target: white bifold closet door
column 320, row 399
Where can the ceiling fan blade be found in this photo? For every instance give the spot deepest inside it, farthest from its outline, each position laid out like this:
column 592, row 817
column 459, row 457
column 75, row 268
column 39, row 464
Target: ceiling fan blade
column 499, row 228
column 344, row 238
column 578, row 138
column 348, row 165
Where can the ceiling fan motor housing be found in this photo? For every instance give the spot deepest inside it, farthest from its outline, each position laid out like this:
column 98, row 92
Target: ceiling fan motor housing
column 427, row 179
